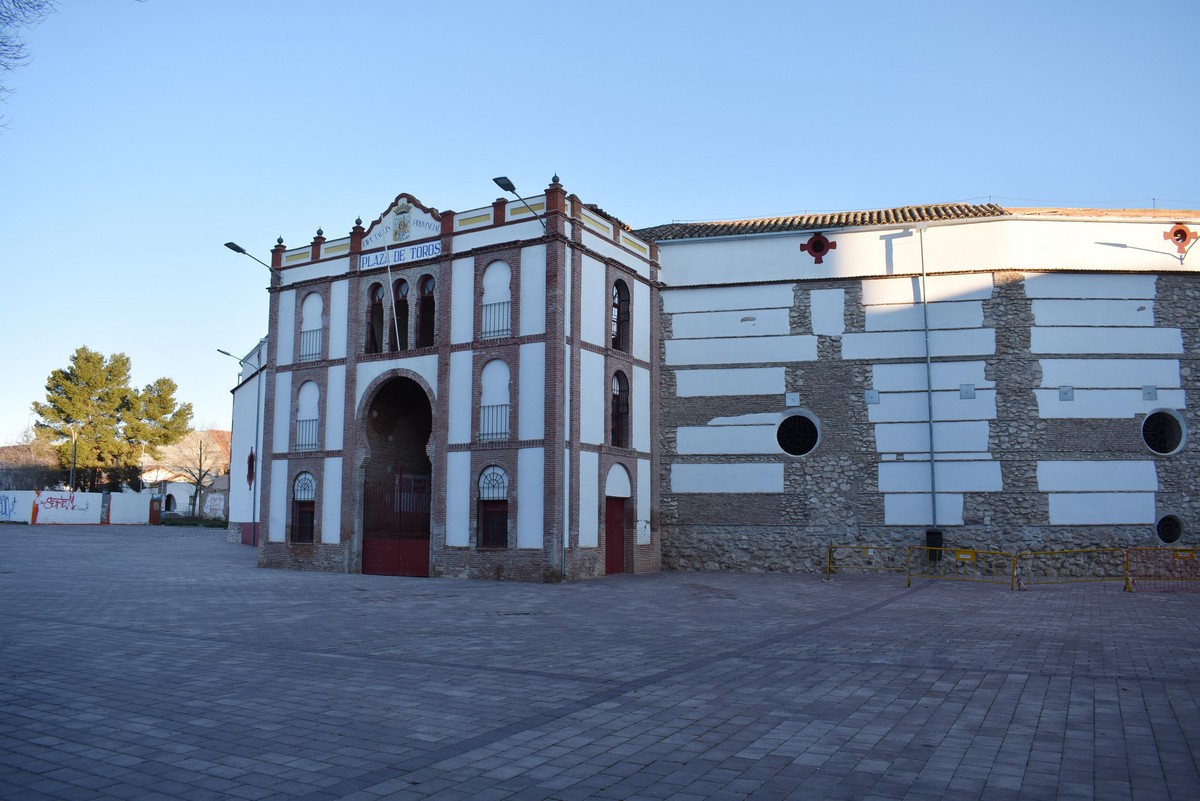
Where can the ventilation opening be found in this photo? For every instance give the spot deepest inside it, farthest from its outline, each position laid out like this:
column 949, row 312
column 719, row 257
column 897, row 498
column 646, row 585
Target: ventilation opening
column 1169, row 528
column 1162, row 431
column 798, row 435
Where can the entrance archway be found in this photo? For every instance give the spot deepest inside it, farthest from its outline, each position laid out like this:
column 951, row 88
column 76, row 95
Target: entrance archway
column 396, row 477
column 616, row 494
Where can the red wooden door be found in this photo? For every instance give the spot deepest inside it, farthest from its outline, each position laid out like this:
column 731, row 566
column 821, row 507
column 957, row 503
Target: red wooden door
column 396, row 527
column 614, row 535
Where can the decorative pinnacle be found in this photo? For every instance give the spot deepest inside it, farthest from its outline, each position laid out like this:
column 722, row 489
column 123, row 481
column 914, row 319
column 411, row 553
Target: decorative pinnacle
column 320, row 232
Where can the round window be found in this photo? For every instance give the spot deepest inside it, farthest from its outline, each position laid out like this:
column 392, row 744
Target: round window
column 1163, row 432
column 1169, row 528
column 798, row 434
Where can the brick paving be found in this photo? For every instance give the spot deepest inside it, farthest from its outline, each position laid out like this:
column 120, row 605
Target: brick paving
column 158, row 663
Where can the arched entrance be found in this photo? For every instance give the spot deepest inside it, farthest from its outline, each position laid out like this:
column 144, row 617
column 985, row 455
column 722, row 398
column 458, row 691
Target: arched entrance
column 396, row 476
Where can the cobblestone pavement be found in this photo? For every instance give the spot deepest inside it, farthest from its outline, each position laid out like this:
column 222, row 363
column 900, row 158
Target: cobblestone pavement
column 158, row 663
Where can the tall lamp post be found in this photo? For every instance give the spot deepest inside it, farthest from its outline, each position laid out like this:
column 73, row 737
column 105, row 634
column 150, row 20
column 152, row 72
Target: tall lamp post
column 74, row 436
column 508, row 186
column 255, row 447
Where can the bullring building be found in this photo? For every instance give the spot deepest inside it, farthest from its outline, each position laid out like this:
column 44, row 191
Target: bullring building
column 534, row 390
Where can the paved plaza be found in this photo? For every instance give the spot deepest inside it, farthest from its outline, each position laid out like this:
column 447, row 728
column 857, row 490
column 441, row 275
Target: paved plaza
column 160, row 663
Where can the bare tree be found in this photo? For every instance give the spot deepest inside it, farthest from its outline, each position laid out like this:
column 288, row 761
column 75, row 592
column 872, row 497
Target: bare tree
column 16, row 15
column 201, row 456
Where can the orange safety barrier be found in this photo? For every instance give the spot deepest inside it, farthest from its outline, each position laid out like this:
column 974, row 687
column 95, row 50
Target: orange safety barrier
column 1162, row 570
column 866, row 559
column 1069, row 566
column 961, row 564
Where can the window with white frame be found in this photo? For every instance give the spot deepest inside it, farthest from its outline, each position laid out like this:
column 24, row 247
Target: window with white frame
column 304, row 508
column 311, row 327
column 493, row 508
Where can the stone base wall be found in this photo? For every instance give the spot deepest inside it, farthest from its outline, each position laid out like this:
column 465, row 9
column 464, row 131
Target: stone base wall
column 325, row 558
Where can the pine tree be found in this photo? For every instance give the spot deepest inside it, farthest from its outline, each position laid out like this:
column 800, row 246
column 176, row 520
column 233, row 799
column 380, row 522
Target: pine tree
column 112, row 424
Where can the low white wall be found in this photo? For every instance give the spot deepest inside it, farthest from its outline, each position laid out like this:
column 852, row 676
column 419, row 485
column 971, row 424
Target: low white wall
column 129, row 508
column 73, row 507
column 16, row 506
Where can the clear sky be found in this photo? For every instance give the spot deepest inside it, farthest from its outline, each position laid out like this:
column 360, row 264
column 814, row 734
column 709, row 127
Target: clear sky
column 143, row 135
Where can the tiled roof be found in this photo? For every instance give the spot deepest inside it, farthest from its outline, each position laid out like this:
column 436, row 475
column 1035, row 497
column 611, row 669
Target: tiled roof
column 820, row 222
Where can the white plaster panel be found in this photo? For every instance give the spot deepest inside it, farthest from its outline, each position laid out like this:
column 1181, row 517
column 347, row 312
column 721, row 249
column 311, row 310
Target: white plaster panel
column 331, row 500
column 283, row 412
column 335, row 407
column 1095, row 508
column 617, row 483
column 1115, row 476
column 462, row 300
column 531, row 495
column 533, row 290
column 322, row 269
column 912, row 377
column 280, row 495
column 458, row 499
column 726, row 298
column 566, row 499
column 1105, row 404
column 948, row 437
column 828, row 310
column 902, row 317
column 907, row 290
column 595, row 304
column 1110, row 373
column 247, row 436
column 462, row 399
column 605, row 246
column 339, row 309
column 726, row 439
column 745, row 323
column 641, row 321
column 725, row 478
column 753, row 419
column 531, row 416
column 568, row 297
column 742, row 350
column 1105, row 340
column 730, row 381
column 530, row 229
column 915, row 510
column 594, row 395
column 286, row 331
column 900, row 407
column 566, row 390
column 959, row 476
column 589, row 499
column 911, row 344
column 1089, row 285
column 639, row 406
column 643, row 501
column 366, row 372
column 1094, row 312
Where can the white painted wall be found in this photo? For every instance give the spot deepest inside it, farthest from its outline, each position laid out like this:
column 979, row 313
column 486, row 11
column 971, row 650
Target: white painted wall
column 727, row 439
column 494, row 383
column 1090, row 285
column 702, row 299
column 424, row 366
column 339, row 308
column 802, row 348
column 911, row 344
column 280, row 495
column 589, row 499
column 901, row 407
column 1094, row 312
column 531, row 416
column 957, row 476
column 948, row 437
column 322, row 269
column 283, row 412
column 1110, row 373
column 532, row 290
column 640, row 320
column 285, row 332
column 458, row 499
column 335, row 408
column 462, row 301
column 744, row 323
column 1106, row 340
column 916, row 510
column 129, row 507
column 912, row 377
column 730, row 381
column 1099, row 508
column 828, row 311
column 1108, row 404
column 643, row 502
column 725, row 478
column 594, row 395
column 1097, row 476
column 909, row 317
column 461, row 397
column 331, row 500
column 639, row 408
column 566, row 390
column 531, row 496
column 595, row 303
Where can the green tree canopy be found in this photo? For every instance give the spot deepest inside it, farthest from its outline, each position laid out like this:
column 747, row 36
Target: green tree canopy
column 112, row 423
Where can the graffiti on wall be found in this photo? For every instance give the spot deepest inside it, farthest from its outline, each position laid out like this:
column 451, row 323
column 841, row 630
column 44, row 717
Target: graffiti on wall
column 8, row 507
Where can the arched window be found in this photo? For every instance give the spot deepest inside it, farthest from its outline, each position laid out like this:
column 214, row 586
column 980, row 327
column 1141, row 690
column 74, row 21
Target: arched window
column 304, row 501
column 375, row 320
column 493, row 508
column 494, row 401
column 311, row 327
column 496, row 310
column 620, row 316
column 620, row 410
column 400, row 326
column 426, row 317
column 308, row 414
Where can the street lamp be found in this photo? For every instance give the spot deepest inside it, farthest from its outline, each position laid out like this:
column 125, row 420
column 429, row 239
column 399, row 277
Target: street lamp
column 507, row 186
column 236, row 248
column 254, row 445
column 74, row 435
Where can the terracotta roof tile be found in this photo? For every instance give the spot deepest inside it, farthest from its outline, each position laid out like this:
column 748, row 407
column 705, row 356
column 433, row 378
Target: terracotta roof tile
column 820, row 222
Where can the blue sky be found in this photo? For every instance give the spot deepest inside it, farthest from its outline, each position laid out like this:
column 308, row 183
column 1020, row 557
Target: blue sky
column 142, row 136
